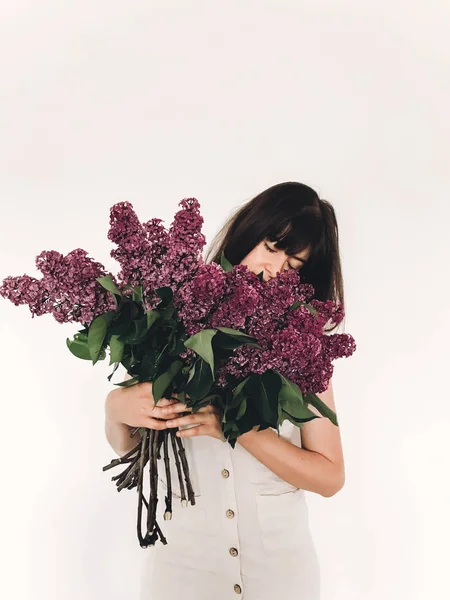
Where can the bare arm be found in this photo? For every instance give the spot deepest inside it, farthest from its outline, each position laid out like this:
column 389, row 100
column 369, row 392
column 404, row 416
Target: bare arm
column 127, row 408
column 317, row 467
column 118, row 434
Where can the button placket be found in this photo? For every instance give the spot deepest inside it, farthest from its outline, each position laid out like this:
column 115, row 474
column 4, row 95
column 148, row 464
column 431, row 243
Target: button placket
column 230, row 514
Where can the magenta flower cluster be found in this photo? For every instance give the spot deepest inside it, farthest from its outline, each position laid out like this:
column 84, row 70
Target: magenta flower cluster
column 153, row 257
column 148, row 255
column 68, row 289
column 293, row 340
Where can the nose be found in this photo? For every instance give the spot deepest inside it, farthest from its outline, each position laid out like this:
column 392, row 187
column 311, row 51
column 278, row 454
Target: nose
column 275, row 265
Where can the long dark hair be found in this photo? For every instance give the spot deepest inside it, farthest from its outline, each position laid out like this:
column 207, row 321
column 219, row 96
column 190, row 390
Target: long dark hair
column 292, row 215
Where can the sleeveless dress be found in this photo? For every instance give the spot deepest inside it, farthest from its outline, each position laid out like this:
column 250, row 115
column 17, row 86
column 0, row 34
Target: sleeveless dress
column 247, row 536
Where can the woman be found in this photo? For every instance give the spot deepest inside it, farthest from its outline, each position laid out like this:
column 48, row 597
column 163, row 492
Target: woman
column 248, row 533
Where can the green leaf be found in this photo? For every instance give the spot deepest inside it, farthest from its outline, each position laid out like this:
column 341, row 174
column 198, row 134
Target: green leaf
column 166, row 295
column 141, row 328
column 240, row 387
column 225, row 263
column 201, row 382
column 291, row 400
column 260, row 276
column 236, row 336
column 191, row 374
column 323, row 408
column 128, row 361
column 116, row 348
column 177, row 347
column 146, row 369
column 290, row 394
column 201, row 343
column 128, row 382
column 311, row 309
column 161, row 384
column 294, row 420
column 168, row 312
column 136, row 332
column 108, row 283
column 295, row 305
column 116, row 366
column 264, row 390
column 79, row 348
column 137, row 293
column 127, row 312
column 242, row 408
column 97, row 333
column 152, row 316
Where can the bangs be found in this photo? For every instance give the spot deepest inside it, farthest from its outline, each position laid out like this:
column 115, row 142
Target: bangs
column 297, row 235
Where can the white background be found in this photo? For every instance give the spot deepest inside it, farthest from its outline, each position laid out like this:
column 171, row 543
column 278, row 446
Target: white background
column 104, row 101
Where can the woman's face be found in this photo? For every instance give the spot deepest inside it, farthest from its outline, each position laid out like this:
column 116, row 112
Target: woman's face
column 270, row 260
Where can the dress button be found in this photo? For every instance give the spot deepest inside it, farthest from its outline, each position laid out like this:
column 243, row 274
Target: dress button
column 233, row 551
column 230, row 513
column 225, row 473
column 237, row 589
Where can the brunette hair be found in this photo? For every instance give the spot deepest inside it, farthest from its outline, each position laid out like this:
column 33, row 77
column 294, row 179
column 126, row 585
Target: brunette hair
column 292, row 215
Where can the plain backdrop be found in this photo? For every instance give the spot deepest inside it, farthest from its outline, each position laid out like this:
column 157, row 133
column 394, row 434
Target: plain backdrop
column 104, row 101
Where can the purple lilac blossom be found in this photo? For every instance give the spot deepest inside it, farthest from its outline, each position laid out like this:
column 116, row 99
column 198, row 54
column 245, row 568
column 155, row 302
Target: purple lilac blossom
column 26, row 290
column 296, row 345
column 241, row 296
column 277, row 295
column 68, row 289
column 134, row 251
column 185, row 245
column 198, row 296
column 293, row 341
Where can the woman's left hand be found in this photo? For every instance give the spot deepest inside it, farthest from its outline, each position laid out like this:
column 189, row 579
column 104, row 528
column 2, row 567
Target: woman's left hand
column 208, row 421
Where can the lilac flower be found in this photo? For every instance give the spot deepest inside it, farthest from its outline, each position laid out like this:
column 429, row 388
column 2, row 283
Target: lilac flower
column 185, row 244
column 277, row 295
column 68, row 290
column 152, row 257
column 292, row 340
column 134, row 250
column 241, row 295
column 26, row 290
column 198, row 297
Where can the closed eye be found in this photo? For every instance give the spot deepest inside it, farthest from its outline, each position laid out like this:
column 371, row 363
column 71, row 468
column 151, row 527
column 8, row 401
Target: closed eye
column 271, row 250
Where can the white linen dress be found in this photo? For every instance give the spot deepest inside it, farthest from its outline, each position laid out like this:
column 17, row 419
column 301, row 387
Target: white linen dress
column 247, row 536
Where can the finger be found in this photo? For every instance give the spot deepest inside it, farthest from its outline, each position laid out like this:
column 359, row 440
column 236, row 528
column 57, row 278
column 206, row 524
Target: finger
column 210, row 410
column 161, row 413
column 155, row 424
column 193, row 431
column 187, row 420
column 166, row 402
column 178, row 407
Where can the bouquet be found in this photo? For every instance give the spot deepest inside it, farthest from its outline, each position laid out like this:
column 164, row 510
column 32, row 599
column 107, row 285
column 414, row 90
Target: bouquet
column 201, row 333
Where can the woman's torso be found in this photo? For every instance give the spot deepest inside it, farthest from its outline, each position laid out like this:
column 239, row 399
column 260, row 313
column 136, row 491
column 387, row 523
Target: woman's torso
column 247, row 536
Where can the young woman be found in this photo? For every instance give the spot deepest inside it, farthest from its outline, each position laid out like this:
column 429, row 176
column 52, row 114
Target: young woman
column 248, row 535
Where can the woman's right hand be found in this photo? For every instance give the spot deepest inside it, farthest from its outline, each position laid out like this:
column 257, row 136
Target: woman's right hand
column 135, row 406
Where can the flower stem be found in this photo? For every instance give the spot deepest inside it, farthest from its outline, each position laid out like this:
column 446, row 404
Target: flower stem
column 182, row 453
column 178, row 465
column 168, row 499
column 142, row 542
